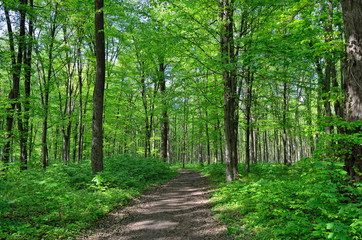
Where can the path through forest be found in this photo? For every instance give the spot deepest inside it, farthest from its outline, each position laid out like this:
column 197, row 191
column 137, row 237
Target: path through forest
column 178, row 210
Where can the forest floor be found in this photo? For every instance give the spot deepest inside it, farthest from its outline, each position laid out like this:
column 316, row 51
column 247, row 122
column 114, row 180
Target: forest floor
column 176, row 210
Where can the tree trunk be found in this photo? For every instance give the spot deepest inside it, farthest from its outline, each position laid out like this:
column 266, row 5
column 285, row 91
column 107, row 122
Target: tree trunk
column 352, row 16
column 226, row 8
column 45, row 89
column 248, row 96
column 27, row 86
column 98, row 95
column 66, row 143
column 147, row 152
column 55, row 154
column 328, row 71
column 265, row 147
column 207, row 140
column 164, row 118
column 285, row 108
column 23, row 126
column 14, row 94
column 201, row 145
column 220, row 137
column 80, row 114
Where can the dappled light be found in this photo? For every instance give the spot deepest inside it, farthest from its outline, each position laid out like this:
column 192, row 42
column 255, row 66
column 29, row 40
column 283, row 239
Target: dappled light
column 103, row 102
column 177, row 210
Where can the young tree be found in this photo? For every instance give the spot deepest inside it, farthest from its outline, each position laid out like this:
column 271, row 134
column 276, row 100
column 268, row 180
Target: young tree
column 44, row 86
column 98, row 94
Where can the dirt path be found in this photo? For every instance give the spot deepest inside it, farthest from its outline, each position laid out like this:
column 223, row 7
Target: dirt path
column 177, row 210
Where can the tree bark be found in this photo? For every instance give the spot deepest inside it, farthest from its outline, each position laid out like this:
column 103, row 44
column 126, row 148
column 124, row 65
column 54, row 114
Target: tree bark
column 226, row 8
column 352, row 16
column 201, row 145
column 45, row 89
column 208, row 156
column 164, row 118
column 285, row 109
column 98, row 95
column 248, row 96
column 328, row 71
column 27, row 87
column 14, row 94
column 23, row 130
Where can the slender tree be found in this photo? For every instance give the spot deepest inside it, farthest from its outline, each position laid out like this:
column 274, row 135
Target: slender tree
column 16, row 66
column 226, row 8
column 27, row 86
column 164, row 118
column 98, row 94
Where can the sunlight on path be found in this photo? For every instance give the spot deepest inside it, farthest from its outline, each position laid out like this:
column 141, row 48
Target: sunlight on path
column 178, row 210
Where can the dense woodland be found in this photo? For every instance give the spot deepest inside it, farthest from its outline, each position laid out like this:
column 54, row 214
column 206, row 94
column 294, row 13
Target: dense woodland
column 223, row 82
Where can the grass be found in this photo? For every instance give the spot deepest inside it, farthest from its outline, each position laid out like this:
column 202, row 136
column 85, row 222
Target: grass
column 63, row 200
column 305, row 201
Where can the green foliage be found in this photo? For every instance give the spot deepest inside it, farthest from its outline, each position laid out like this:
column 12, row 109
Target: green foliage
column 309, row 200
column 65, row 199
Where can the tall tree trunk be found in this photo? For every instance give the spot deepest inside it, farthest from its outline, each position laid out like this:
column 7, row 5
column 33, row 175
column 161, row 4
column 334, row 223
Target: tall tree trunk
column 66, row 142
column 27, row 87
column 328, row 71
column 215, row 145
column 185, row 113
column 226, row 8
column 248, row 100
column 201, row 145
column 164, row 118
column 352, row 16
column 80, row 114
column 45, row 89
column 147, row 124
column 55, row 154
column 285, row 108
column 23, row 123
column 309, row 117
column 98, row 95
column 14, row 94
column 265, row 147
column 220, row 138
column 32, row 138
column 319, row 71
column 207, row 140
column 75, row 142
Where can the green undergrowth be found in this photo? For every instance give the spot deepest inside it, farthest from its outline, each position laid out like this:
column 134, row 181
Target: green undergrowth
column 309, row 200
column 63, row 200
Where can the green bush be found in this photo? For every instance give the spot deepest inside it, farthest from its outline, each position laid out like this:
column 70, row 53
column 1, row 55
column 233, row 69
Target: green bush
column 309, row 200
column 62, row 200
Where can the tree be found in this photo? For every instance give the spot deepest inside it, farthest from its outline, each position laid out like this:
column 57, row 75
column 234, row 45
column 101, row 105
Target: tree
column 164, row 117
column 14, row 95
column 352, row 16
column 98, row 94
column 231, row 102
column 27, row 86
column 44, row 86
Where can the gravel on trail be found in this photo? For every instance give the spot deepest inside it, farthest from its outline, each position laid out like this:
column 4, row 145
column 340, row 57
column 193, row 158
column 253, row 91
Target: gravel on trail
column 176, row 210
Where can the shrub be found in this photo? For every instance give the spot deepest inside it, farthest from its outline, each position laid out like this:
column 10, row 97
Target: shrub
column 309, row 200
column 64, row 199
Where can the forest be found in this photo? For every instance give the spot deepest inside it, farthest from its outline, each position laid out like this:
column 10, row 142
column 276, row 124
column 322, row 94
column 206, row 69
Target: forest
column 102, row 100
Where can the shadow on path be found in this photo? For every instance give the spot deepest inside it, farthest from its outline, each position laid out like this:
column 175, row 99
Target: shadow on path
column 177, row 210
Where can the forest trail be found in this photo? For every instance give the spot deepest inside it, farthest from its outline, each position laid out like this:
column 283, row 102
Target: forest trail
column 177, row 210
